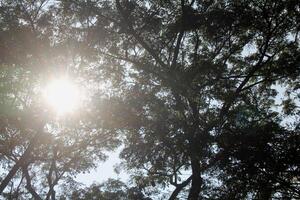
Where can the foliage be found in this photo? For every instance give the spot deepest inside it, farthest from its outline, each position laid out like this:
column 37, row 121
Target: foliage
column 189, row 87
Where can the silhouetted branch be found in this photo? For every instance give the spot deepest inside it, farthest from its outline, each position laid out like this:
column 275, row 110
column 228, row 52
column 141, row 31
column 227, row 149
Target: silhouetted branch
column 29, row 187
column 179, row 187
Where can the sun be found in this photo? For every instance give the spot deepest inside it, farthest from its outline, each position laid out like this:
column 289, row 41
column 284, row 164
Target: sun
column 62, row 95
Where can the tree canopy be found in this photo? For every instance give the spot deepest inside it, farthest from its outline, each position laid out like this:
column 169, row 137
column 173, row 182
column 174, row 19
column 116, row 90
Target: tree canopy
column 202, row 96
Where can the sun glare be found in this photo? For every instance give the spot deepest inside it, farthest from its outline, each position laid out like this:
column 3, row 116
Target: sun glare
column 62, row 95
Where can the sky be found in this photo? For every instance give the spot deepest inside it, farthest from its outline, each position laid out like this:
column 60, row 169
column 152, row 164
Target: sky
column 104, row 171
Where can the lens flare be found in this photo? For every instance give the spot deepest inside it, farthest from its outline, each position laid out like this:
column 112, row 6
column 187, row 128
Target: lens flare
column 62, row 95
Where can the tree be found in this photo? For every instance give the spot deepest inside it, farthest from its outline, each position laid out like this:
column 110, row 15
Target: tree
column 193, row 64
column 265, row 163
column 191, row 88
column 110, row 189
column 39, row 150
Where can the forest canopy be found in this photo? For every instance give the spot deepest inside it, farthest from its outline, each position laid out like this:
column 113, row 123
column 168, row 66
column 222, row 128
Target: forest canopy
column 201, row 96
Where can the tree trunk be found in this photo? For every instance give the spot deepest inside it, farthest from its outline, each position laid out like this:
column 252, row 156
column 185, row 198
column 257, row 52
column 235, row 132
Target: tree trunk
column 24, row 158
column 196, row 179
column 15, row 168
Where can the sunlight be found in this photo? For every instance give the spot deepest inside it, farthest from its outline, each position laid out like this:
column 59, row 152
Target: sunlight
column 62, row 95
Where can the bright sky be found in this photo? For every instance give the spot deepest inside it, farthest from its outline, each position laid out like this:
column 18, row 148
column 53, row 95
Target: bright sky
column 62, row 95
column 104, row 171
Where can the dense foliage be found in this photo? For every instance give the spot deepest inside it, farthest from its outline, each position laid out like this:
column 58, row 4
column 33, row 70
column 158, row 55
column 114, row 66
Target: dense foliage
column 202, row 95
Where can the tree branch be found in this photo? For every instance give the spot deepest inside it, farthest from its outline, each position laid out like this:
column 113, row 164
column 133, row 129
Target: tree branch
column 29, row 187
column 179, row 187
column 131, row 31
